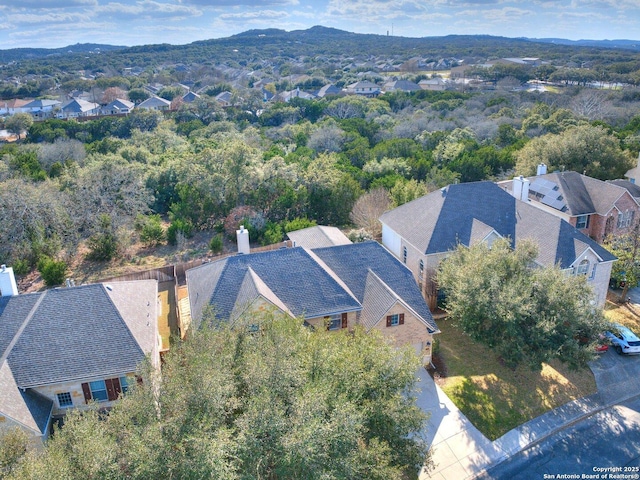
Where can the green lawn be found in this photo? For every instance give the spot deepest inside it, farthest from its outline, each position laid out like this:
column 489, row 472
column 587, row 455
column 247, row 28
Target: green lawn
column 496, row 398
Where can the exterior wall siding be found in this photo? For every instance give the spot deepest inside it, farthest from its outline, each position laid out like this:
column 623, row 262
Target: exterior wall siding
column 75, row 389
column 412, row 332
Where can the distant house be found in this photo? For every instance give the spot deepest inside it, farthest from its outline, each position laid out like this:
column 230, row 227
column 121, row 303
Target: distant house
column 401, row 85
column 190, row 97
column 41, row 108
column 335, row 287
column 155, row 103
column 289, row 95
column 62, row 348
column 594, row 207
column 634, row 174
column 118, row 106
column 224, row 99
column 364, row 88
column 78, row 108
column 423, row 232
column 327, row 90
column 16, row 105
column 434, row 84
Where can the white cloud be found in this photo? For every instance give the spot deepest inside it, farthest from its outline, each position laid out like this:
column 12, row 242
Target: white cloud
column 65, row 17
column 148, row 9
column 263, row 14
column 47, row 4
column 242, row 3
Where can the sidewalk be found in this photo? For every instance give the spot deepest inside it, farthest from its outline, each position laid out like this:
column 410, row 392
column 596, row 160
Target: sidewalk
column 460, row 451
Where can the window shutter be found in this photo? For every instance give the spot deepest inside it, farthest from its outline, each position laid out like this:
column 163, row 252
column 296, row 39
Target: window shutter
column 345, row 321
column 388, row 320
column 401, row 319
column 113, row 388
column 111, row 394
column 87, row 392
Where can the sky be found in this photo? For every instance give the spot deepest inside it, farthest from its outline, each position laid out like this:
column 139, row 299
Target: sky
column 58, row 23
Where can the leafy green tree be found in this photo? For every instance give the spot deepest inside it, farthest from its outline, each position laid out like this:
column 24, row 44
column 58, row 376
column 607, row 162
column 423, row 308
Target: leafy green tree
column 587, row 149
column 18, row 123
column 14, row 445
column 216, row 244
column 626, row 247
column 268, row 398
column 298, row 224
column 525, row 314
column 178, row 227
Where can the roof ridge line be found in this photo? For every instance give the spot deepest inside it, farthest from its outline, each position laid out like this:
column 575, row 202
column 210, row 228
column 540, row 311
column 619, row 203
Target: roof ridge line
column 26, row 321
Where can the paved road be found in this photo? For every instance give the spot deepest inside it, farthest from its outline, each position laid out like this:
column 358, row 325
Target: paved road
column 608, row 439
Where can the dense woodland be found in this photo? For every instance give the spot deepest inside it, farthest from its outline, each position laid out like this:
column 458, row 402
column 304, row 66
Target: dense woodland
column 275, row 166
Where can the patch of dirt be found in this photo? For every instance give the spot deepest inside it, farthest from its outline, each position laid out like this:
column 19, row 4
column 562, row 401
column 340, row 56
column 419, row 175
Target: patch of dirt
column 439, row 373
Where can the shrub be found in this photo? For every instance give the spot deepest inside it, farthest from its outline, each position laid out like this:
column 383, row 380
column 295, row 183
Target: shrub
column 21, row 266
column 52, row 272
column 150, row 228
column 215, row 245
column 272, row 234
column 103, row 245
column 298, row 224
column 179, row 225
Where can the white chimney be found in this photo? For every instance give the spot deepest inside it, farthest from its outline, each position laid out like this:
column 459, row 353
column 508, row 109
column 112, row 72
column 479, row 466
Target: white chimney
column 8, row 286
column 521, row 188
column 243, row 240
column 541, row 170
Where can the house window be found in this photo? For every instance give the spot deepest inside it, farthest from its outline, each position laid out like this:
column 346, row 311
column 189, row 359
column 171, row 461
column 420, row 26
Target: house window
column 420, row 273
column 98, row 391
column 395, row 320
column 583, row 267
column 124, row 384
column 625, row 219
column 336, row 322
column 64, row 399
column 582, row 221
column 593, row 272
column 404, row 255
column 105, row 390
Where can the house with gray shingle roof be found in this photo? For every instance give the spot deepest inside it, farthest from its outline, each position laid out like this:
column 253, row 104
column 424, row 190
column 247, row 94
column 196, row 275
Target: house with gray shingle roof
column 77, row 107
column 335, row 287
column 318, row 236
column 65, row 347
column 597, row 208
column 423, row 232
column 155, row 103
column 118, row 106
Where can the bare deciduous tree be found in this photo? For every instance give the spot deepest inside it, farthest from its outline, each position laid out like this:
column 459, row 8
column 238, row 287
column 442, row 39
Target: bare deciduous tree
column 368, row 208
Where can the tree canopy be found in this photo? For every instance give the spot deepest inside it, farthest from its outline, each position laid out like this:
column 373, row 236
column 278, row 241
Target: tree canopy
column 269, row 398
column 527, row 314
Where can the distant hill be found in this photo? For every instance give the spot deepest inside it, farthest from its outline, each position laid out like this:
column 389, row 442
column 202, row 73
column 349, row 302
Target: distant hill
column 259, row 48
column 17, row 54
column 626, row 44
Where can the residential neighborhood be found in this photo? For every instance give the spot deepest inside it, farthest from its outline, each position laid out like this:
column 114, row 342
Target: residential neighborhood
column 318, row 254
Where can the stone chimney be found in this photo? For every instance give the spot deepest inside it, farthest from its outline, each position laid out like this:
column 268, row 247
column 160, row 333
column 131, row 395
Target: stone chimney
column 242, row 236
column 8, row 286
column 521, row 188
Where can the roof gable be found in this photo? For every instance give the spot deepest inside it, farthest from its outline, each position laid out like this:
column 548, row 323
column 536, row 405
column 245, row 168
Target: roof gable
column 290, row 274
column 353, row 264
column 27, row 408
column 68, row 324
